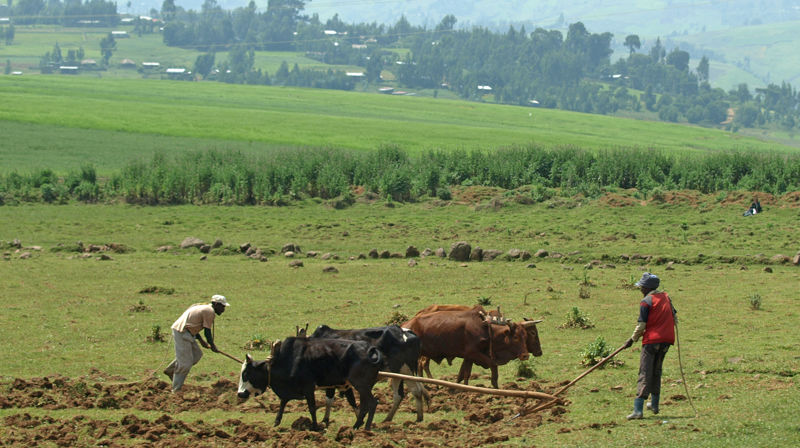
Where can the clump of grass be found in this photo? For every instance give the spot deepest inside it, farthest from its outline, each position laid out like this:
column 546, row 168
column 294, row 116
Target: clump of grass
column 257, row 342
column 139, row 307
column 755, row 301
column 156, row 334
column 576, row 318
column 484, row 301
column 584, row 292
column 157, row 290
column 525, row 369
column 595, row 352
column 397, row 318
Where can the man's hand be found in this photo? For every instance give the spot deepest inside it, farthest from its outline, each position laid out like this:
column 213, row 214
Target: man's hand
column 214, row 348
column 628, row 343
column 203, row 343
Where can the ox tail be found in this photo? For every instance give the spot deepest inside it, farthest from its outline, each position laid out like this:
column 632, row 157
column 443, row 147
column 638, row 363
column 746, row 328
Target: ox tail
column 374, row 356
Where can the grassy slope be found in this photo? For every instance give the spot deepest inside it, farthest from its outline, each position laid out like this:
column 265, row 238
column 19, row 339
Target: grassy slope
column 145, row 112
column 75, row 312
column 770, row 48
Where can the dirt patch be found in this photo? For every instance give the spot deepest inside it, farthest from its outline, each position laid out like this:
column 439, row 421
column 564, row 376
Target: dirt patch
column 618, row 200
column 791, row 199
column 485, row 418
column 474, row 194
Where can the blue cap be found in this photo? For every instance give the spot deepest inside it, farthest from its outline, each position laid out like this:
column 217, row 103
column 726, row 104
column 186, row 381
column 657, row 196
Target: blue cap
column 649, row 281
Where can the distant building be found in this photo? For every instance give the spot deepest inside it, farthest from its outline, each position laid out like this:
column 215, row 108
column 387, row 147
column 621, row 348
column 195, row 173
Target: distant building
column 150, row 65
column 386, row 90
column 120, row 34
column 330, row 32
column 68, row 69
column 355, row 74
column 127, row 63
column 359, row 46
column 88, row 63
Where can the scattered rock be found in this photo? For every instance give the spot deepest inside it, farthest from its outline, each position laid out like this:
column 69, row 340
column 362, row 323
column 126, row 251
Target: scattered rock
column 330, row 269
column 459, row 251
column 440, row 252
column 384, row 254
column 742, row 268
column 217, row 243
column 768, row 269
column 312, row 254
column 491, row 254
column 288, row 254
column 476, row 254
column 780, row 259
column 541, row 253
column 250, row 250
column 204, row 258
column 531, row 266
column 412, row 262
column 104, row 257
column 191, row 242
column 244, row 247
column 412, row 252
column 670, row 266
column 796, row 259
column 290, row 247
column 16, row 243
column 205, row 248
column 395, row 255
column 25, row 255
column 362, row 257
column 373, row 253
column 164, row 248
column 345, row 233
column 295, row 264
column 427, row 252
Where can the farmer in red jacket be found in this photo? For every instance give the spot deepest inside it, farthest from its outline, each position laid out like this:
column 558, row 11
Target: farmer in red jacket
column 656, row 326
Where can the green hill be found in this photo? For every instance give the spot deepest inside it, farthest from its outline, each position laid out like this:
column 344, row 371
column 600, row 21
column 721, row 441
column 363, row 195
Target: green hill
column 62, row 122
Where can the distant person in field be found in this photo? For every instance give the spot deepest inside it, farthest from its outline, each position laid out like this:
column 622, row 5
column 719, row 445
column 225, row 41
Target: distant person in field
column 656, row 327
column 755, row 208
column 186, row 334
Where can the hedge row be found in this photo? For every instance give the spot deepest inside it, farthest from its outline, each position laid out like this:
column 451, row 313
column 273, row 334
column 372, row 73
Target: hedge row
column 280, row 176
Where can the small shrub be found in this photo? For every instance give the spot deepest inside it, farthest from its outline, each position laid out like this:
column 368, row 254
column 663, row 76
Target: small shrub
column 595, row 352
column 157, row 290
column 577, row 319
column 139, row 307
column 525, row 369
column 397, row 318
column 584, row 292
column 257, row 342
column 755, row 301
column 484, row 301
column 444, row 194
column 156, row 335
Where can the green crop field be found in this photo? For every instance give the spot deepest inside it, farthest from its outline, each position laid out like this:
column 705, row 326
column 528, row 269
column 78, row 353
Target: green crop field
column 77, row 317
column 168, row 116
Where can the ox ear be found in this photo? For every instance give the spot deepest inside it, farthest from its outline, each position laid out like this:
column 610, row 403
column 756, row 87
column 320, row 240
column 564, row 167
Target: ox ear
column 248, row 359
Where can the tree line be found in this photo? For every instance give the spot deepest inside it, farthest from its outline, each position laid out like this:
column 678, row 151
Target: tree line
column 542, row 68
column 532, row 173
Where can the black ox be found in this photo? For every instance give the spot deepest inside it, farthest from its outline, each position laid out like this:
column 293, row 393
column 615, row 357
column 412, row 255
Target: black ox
column 400, row 348
column 298, row 366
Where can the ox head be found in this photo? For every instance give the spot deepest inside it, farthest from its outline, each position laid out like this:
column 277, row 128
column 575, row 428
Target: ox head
column 254, row 378
column 508, row 343
column 532, row 336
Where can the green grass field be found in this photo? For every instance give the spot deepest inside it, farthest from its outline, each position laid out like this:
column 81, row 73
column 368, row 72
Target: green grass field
column 145, row 116
column 67, row 315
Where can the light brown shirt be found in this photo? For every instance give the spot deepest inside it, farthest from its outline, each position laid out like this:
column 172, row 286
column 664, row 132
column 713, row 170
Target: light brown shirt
column 195, row 318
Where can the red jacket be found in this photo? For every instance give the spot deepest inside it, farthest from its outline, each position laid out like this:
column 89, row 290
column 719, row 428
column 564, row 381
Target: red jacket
column 656, row 309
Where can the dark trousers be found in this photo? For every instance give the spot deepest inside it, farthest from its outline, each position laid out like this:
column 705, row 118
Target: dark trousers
column 650, row 364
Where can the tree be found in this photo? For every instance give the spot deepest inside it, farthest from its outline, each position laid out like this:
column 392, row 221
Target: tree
column 447, row 23
column 657, row 52
column 633, row 43
column 678, row 59
column 8, row 66
column 168, row 10
column 10, row 34
column 204, row 63
column 107, row 46
column 702, row 69
column 56, row 56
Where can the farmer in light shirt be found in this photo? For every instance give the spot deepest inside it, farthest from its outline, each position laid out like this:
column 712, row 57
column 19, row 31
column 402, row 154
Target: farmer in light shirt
column 656, row 326
column 186, row 334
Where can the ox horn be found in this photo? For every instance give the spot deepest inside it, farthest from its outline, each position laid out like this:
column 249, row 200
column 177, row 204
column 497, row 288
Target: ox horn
column 529, row 323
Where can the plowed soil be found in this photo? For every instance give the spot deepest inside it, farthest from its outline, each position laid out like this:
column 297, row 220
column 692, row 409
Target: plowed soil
column 147, row 413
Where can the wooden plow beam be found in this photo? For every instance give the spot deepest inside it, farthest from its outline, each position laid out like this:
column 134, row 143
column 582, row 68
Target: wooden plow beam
column 481, row 390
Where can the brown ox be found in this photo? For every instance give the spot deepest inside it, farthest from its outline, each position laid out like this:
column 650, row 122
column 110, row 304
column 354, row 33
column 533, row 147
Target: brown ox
column 456, row 331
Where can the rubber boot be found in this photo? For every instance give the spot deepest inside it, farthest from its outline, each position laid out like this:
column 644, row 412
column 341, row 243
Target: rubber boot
column 638, row 404
column 653, row 404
